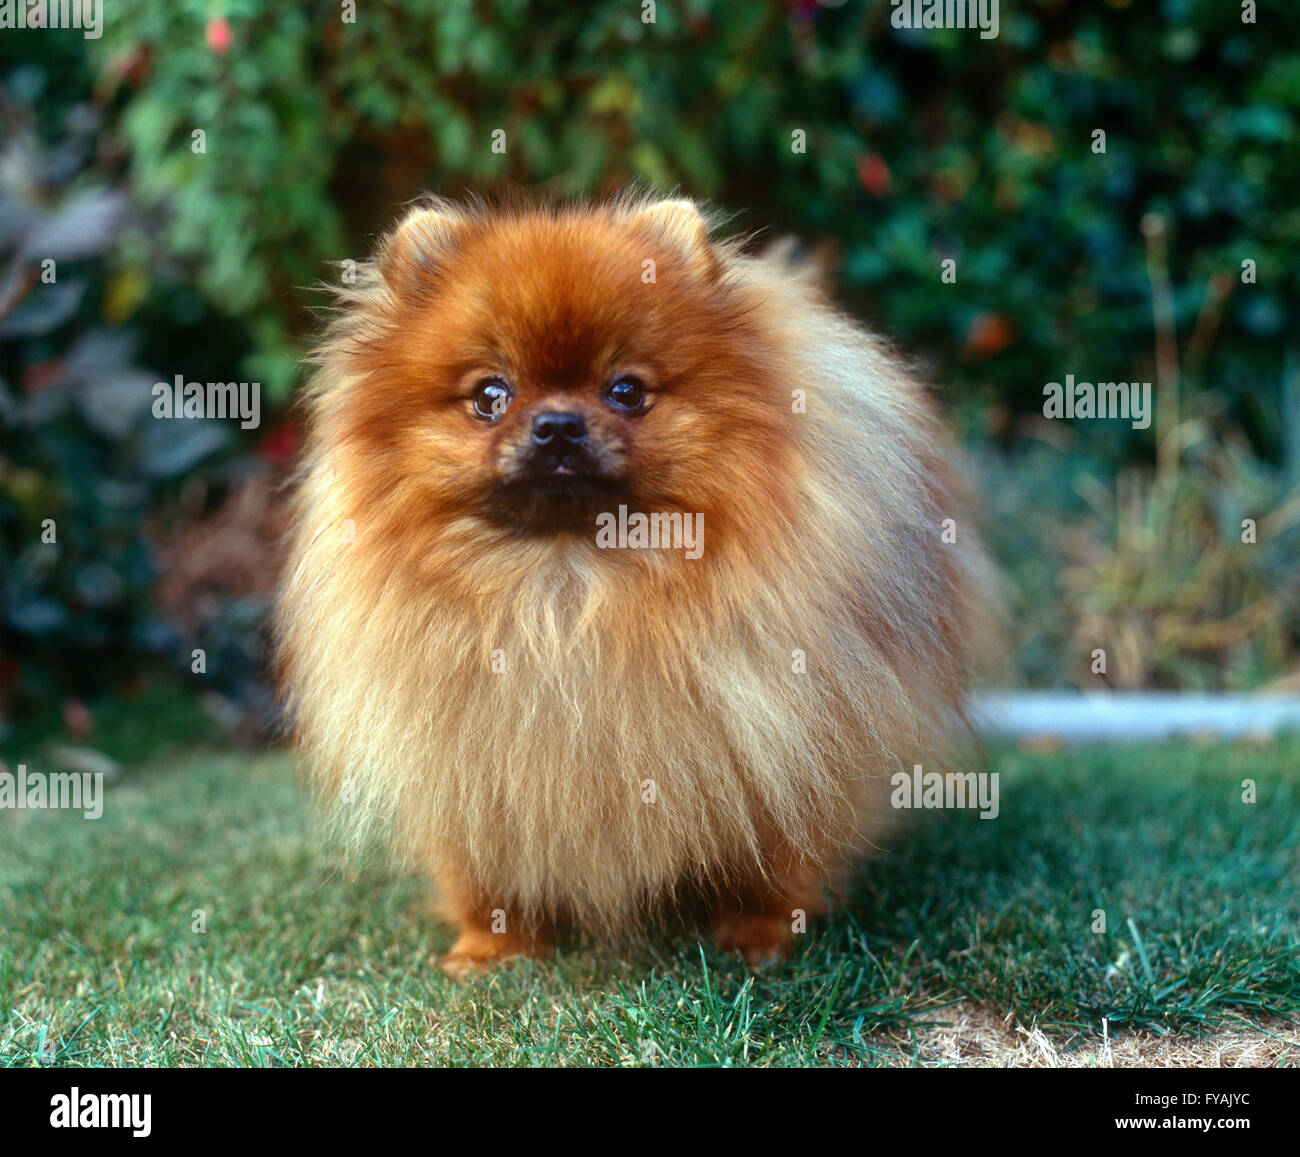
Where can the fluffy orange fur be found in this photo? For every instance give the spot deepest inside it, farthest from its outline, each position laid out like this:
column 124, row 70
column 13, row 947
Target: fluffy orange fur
column 561, row 734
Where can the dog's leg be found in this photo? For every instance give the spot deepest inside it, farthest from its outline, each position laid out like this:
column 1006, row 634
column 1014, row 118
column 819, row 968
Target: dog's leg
column 758, row 916
column 489, row 932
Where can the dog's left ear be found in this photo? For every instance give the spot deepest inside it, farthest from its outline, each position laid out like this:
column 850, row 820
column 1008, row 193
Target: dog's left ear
column 682, row 227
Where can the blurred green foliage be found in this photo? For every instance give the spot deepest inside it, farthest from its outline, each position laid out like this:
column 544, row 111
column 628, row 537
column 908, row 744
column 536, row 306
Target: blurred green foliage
column 920, row 147
column 88, row 480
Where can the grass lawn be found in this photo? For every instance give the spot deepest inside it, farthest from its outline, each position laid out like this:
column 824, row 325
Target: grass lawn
column 967, row 941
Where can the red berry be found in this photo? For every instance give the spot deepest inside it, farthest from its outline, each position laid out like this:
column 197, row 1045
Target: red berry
column 218, row 33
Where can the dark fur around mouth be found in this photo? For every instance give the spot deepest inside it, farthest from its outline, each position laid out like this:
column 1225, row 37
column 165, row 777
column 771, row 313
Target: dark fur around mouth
column 551, row 502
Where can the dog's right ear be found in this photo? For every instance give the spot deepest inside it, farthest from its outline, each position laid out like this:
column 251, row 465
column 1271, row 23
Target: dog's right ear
column 679, row 224
column 411, row 252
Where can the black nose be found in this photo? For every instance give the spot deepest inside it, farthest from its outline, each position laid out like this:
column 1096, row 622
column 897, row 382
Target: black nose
column 558, row 430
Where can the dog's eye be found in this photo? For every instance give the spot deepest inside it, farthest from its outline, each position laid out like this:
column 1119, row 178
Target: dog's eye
column 491, row 397
column 627, row 393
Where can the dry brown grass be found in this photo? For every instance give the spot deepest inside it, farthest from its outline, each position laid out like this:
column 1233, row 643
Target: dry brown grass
column 969, row 1036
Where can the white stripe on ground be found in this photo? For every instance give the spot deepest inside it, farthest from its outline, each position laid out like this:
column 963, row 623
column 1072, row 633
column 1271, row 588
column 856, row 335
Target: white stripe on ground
column 1077, row 718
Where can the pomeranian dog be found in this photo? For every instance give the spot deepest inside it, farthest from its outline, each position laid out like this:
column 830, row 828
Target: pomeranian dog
column 626, row 572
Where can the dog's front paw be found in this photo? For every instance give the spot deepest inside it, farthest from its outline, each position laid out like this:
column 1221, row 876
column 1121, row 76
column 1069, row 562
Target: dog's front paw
column 463, row 965
column 476, row 952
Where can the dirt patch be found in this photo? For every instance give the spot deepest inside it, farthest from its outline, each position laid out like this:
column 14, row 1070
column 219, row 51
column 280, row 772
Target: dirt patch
column 967, row 1035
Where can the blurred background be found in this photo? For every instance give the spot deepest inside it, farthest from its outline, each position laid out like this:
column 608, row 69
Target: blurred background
column 1172, row 257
